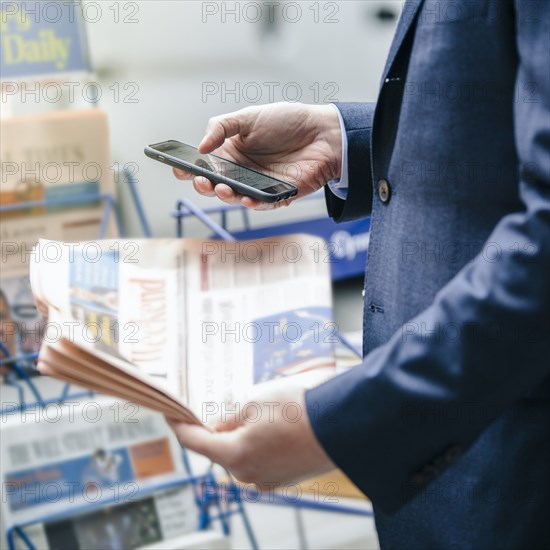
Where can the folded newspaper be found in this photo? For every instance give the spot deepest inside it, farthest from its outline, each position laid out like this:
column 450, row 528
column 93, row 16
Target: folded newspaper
column 183, row 326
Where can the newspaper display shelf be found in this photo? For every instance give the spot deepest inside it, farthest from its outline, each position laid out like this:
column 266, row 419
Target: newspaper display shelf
column 16, row 366
column 210, row 508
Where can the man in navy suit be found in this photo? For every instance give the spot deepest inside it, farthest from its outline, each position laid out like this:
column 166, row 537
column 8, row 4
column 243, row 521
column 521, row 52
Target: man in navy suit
column 445, row 425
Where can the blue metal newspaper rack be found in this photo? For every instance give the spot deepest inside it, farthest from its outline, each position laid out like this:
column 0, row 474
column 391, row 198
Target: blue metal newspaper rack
column 210, row 506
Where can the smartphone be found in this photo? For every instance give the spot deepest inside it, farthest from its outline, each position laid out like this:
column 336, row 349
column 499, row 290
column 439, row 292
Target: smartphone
column 241, row 179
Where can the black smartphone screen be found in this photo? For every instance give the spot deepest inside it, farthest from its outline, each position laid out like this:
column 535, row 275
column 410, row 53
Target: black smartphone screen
column 223, row 167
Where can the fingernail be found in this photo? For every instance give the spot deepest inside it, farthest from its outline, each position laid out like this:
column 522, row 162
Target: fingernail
column 204, row 139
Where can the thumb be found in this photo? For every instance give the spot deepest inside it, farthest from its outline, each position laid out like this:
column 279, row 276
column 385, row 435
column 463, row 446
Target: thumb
column 228, row 425
column 218, row 447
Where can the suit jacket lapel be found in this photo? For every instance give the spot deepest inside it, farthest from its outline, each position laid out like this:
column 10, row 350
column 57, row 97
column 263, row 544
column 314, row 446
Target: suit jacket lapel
column 408, row 14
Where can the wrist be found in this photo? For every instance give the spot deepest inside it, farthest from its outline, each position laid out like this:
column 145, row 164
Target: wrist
column 330, row 132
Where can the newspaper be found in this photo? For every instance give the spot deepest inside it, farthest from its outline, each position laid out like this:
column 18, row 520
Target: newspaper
column 79, row 456
column 166, row 515
column 185, row 327
column 53, row 164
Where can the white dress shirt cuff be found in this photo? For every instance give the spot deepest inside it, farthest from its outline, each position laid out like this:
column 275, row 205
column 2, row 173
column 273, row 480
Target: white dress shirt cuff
column 340, row 186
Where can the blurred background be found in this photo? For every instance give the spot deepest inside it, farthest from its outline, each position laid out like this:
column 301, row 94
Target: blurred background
column 188, row 61
column 158, row 70
column 165, row 67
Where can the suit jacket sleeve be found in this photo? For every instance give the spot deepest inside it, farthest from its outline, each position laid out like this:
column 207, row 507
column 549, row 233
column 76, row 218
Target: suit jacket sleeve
column 357, row 119
column 381, row 421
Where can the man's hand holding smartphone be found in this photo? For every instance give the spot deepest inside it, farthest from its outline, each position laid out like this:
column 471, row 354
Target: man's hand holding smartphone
column 289, row 141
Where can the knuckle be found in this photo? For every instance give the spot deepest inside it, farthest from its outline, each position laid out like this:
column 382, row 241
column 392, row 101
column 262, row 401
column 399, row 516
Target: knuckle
column 212, row 122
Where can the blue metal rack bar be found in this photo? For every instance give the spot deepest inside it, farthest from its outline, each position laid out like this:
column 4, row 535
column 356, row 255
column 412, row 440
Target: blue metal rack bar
column 132, row 185
column 185, row 208
column 213, row 498
column 21, row 372
column 185, row 205
column 23, row 375
column 21, row 533
column 183, row 211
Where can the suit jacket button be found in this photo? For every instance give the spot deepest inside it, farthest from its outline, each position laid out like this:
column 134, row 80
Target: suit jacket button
column 384, row 190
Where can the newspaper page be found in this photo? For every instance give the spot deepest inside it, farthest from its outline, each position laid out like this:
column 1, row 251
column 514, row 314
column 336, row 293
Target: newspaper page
column 205, row 320
column 166, row 515
column 259, row 310
column 81, row 456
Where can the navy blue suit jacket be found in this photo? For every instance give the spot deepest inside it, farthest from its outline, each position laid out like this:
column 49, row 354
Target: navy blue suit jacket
column 446, row 423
